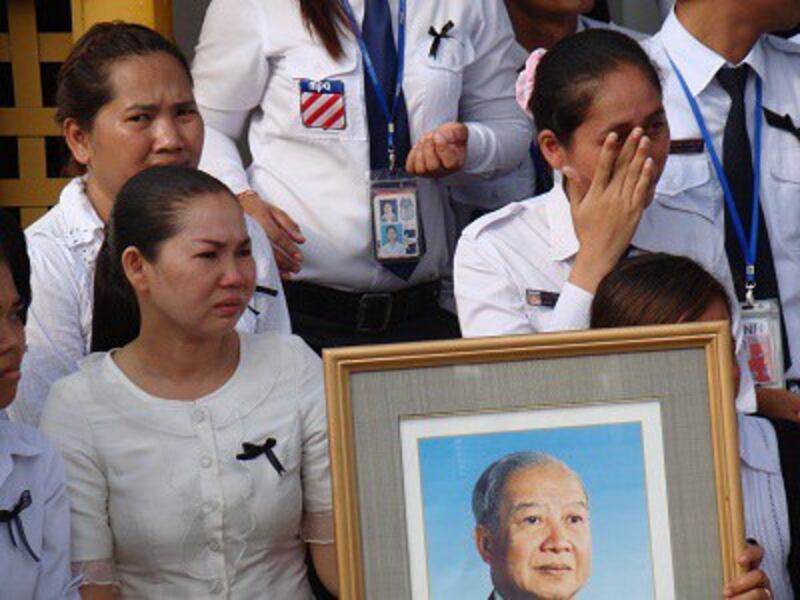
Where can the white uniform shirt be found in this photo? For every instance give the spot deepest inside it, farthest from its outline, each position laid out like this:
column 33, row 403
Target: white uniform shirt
column 253, row 54
column 63, row 247
column 155, row 485
column 28, row 461
column 690, row 185
column 766, row 516
column 505, row 260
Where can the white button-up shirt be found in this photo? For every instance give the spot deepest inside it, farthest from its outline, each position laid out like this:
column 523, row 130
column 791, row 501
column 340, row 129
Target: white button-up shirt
column 252, row 57
column 689, row 184
column 158, row 489
column 28, row 461
column 505, row 260
column 63, row 247
column 766, row 516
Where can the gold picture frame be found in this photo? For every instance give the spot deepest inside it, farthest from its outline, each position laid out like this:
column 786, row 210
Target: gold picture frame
column 678, row 365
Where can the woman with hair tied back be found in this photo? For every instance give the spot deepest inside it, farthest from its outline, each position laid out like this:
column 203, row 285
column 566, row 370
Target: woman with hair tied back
column 659, row 289
column 196, row 455
column 124, row 102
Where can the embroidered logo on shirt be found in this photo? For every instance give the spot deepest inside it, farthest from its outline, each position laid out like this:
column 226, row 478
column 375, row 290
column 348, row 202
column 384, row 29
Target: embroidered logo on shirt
column 541, row 298
column 322, row 104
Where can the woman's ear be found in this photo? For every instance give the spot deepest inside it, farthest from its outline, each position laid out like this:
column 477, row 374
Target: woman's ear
column 551, row 149
column 134, row 268
column 77, row 140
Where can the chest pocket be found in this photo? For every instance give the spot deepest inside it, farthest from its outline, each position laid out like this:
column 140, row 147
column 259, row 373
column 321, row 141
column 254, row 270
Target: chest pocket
column 689, row 185
column 783, row 195
column 329, row 96
column 441, row 78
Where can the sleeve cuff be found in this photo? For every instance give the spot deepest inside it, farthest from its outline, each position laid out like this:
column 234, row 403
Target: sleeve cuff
column 479, row 144
column 573, row 309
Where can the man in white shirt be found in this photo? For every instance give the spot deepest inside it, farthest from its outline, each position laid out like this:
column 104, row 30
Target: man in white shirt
column 700, row 39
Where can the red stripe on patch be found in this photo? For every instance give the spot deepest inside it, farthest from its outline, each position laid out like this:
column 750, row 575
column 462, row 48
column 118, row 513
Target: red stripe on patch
column 323, row 109
column 309, row 101
column 332, row 121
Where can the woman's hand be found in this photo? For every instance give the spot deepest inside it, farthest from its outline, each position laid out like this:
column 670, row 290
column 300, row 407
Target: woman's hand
column 753, row 585
column 439, row 153
column 281, row 230
column 606, row 217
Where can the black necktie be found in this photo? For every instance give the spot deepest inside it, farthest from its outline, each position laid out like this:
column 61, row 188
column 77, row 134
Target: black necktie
column 737, row 161
column 379, row 39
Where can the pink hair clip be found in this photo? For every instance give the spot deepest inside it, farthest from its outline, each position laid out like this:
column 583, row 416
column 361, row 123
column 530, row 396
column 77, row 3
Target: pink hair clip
column 527, row 78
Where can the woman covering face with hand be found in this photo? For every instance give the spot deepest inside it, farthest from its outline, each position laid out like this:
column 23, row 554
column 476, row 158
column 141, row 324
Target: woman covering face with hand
column 125, row 102
column 196, row 455
column 534, row 266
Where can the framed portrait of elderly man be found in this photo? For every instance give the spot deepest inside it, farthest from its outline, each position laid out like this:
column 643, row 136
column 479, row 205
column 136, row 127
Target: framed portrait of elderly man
column 593, row 465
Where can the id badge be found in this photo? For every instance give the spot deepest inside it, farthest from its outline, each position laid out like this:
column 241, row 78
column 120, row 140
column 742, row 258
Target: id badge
column 761, row 323
column 396, row 220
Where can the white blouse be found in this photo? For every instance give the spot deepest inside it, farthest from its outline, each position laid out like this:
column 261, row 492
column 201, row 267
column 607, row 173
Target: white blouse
column 63, row 247
column 156, row 486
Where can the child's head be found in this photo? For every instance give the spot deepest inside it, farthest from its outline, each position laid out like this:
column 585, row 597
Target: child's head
column 589, row 85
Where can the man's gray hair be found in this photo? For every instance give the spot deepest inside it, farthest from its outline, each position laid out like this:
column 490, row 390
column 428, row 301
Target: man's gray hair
column 488, row 492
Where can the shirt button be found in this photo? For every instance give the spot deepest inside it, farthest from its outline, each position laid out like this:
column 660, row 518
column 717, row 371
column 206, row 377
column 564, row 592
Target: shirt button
column 206, row 462
column 215, row 586
column 199, row 416
column 214, row 546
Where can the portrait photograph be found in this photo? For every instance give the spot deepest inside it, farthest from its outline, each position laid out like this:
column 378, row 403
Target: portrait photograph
column 522, row 503
column 590, row 465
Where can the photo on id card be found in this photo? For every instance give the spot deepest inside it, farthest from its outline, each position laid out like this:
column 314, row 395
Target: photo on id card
column 396, row 226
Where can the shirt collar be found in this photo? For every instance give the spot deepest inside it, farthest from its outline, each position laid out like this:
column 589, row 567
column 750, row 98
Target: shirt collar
column 14, row 441
column 563, row 240
column 698, row 63
column 758, row 445
column 82, row 221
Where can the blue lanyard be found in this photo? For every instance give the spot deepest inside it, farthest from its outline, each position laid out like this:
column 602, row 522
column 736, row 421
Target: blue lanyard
column 749, row 247
column 373, row 76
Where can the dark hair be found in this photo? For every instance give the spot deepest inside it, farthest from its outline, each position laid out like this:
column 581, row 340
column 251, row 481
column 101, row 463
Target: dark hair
column 569, row 74
column 83, row 84
column 13, row 252
column 145, row 214
column 324, row 19
column 655, row 289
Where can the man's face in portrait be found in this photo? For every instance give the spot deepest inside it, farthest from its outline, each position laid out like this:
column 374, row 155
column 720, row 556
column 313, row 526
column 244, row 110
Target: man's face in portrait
column 542, row 549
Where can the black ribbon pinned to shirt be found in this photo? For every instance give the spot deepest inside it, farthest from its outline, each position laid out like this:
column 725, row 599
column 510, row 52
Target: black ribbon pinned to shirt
column 262, row 289
column 783, row 123
column 11, row 518
column 437, row 37
column 253, row 451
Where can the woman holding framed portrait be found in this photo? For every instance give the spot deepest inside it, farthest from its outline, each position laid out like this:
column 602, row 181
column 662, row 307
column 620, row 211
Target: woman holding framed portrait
column 660, row 289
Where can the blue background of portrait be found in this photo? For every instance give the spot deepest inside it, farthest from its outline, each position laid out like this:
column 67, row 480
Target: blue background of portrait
column 609, row 460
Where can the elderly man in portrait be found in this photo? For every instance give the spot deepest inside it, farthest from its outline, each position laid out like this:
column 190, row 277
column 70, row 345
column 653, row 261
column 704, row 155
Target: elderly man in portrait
column 532, row 528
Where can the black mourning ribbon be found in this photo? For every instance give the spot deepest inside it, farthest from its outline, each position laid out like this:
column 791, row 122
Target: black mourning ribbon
column 437, row 37
column 12, row 518
column 262, row 289
column 253, row 451
column 783, row 122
